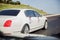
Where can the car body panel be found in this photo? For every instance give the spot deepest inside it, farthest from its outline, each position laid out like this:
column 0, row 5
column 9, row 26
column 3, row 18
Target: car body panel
column 20, row 20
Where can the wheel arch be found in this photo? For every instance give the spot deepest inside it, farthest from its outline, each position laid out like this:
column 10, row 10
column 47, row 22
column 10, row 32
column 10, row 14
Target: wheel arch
column 45, row 20
column 27, row 25
column 23, row 27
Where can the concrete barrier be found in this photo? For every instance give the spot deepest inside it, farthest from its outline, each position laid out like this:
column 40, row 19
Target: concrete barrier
column 52, row 15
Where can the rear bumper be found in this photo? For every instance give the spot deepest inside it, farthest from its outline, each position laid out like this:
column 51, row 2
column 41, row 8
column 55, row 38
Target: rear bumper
column 8, row 32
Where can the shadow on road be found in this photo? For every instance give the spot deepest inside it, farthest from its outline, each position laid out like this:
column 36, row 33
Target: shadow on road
column 56, row 35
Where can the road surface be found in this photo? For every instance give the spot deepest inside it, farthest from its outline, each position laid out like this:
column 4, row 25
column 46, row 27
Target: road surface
column 53, row 27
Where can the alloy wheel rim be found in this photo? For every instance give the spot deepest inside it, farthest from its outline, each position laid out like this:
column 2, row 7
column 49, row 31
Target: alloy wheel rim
column 26, row 31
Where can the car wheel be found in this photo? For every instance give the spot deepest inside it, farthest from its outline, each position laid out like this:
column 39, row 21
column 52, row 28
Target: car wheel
column 45, row 26
column 25, row 29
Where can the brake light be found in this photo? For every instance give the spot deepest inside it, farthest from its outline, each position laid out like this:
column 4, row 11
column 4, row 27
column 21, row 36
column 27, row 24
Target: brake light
column 7, row 23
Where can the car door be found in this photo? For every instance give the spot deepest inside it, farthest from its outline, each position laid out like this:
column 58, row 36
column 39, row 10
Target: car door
column 32, row 18
column 40, row 19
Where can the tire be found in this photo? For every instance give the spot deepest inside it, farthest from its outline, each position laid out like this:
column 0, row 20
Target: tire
column 45, row 26
column 25, row 29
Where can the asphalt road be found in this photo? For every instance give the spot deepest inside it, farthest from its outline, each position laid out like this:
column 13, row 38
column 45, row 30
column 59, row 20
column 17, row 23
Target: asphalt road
column 53, row 27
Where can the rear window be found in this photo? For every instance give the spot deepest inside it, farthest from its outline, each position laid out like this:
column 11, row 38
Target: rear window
column 9, row 12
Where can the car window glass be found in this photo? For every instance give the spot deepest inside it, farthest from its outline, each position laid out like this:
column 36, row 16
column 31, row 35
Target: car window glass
column 36, row 14
column 29, row 13
column 9, row 12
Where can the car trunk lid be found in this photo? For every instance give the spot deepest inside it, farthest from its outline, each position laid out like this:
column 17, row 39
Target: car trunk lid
column 4, row 18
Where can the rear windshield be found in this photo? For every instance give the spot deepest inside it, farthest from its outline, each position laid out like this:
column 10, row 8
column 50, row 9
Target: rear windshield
column 9, row 12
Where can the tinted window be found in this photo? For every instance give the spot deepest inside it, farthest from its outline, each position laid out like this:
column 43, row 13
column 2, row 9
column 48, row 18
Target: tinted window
column 29, row 13
column 36, row 14
column 10, row 12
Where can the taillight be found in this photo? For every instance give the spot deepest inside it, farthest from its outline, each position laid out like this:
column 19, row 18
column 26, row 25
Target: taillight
column 7, row 23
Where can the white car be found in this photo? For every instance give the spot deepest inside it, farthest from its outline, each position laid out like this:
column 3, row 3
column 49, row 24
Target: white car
column 14, row 21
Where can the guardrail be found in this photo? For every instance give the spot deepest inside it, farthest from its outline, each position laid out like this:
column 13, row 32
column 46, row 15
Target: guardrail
column 52, row 15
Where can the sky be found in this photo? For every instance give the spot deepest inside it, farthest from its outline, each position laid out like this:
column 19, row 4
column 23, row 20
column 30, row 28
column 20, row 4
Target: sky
column 49, row 6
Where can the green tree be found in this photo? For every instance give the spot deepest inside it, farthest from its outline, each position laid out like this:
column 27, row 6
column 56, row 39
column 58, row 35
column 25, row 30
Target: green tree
column 13, row 3
column 18, row 2
column 8, row 1
column 1, row 1
column 4, row 1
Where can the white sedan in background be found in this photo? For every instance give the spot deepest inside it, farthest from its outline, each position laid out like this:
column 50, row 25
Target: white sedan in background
column 14, row 21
